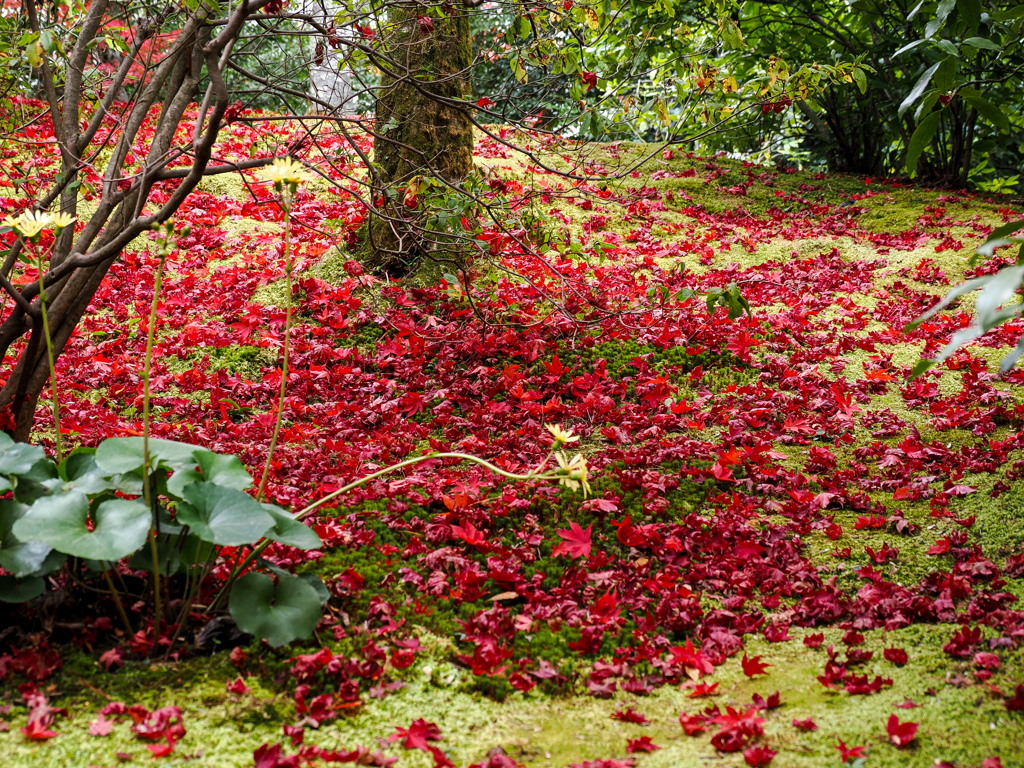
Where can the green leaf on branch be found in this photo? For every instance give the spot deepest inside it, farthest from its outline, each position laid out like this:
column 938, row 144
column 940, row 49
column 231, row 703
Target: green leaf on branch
column 925, row 132
column 919, row 88
column 119, row 527
column 982, row 42
column 278, row 613
column 223, row 516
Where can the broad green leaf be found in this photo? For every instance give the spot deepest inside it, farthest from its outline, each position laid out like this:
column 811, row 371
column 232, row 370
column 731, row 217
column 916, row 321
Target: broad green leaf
column 17, row 458
column 919, row 88
column 949, row 298
column 219, row 469
column 982, row 42
column 119, row 455
column 925, row 131
column 289, row 610
column 288, row 530
column 999, row 289
column 1007, row 229
column 15, row 590
column 988, row 110
column 119, row 526
column 223, row 516
column 1011, row 359
column 318, row 585
column 908, row 47
column 941, row 12
column 18, row 558
column 80, row 472
column 970, row 12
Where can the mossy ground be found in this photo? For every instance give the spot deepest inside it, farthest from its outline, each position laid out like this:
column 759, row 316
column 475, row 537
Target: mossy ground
column 959, row 724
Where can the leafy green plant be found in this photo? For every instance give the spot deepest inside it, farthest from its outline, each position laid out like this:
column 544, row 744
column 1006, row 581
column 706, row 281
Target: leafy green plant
column 993, row 306
column 91, row 509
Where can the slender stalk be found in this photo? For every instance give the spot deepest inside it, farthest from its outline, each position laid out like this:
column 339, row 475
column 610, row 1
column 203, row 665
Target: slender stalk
column 49, row 358
column 147, row 492
column 286, row 204
column 117, row 602
column 534, row 474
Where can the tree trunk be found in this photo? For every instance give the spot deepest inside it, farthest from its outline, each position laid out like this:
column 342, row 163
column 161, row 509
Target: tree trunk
column 421, row 129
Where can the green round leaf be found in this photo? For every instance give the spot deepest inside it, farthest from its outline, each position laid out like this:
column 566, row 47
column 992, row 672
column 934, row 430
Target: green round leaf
column 119, row 526
column 289, row 610
column 17, row 458
column 288, row 530
column 14, row 590
column 223, row 515
column 19, row 558
column 124, row 454
column 216, row 468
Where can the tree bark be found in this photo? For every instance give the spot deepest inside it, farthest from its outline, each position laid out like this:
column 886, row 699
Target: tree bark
column 421, row 129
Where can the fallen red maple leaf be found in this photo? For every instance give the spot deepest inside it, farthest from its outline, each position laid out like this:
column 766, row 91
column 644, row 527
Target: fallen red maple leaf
column 758, row 756
column 896, row 655
column 753, row 666
column 629, row 715
column 642, row 744
column 900, row 734
column 805, row 725
column 417, row 735
column 37, row 730
column 577, row 541
column 849, row 754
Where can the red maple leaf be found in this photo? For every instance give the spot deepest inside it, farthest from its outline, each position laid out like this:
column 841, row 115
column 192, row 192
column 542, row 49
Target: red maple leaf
column 849, row 754
column 692, row 724
column 642, row 744
column 758, row 756
column 417, row 735
column 1015, row 703
column 629, row 715
column 702, row 689
column 753, row 666
column 577, row 541
column 469, row 534
column 805, row 725
column 896, row 655
column 900, row 734
column 37, row 730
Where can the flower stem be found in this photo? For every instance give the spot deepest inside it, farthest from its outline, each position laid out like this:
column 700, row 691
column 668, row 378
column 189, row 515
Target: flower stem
column 286, row 204
column 49, row 357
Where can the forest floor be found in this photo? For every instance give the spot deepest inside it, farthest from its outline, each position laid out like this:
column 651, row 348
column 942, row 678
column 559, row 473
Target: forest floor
column 770, row 486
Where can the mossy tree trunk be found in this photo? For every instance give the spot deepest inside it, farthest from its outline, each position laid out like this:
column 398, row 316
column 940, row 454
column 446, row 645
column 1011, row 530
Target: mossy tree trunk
column 421, row 129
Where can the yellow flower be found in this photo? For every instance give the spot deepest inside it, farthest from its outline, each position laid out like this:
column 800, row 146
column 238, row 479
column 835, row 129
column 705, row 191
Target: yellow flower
column 562, row 436
column 29, row 223
column 573, row 472
column 285, row 171
column 62, row 220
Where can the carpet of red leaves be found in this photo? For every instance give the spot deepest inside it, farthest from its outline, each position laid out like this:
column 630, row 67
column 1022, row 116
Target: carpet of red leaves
column 700, row 528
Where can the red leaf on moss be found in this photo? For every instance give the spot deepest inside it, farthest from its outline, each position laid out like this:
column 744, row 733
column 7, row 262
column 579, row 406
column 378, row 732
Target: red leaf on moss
column 642, row 744
column 577, row 541
column 754, row 666
column 900, row 734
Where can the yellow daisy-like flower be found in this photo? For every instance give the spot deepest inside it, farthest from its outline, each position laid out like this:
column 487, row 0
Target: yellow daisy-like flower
column 573, row 472
column 62, row 220
column 29, row 223
column 562, row 436
column 284, row 171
